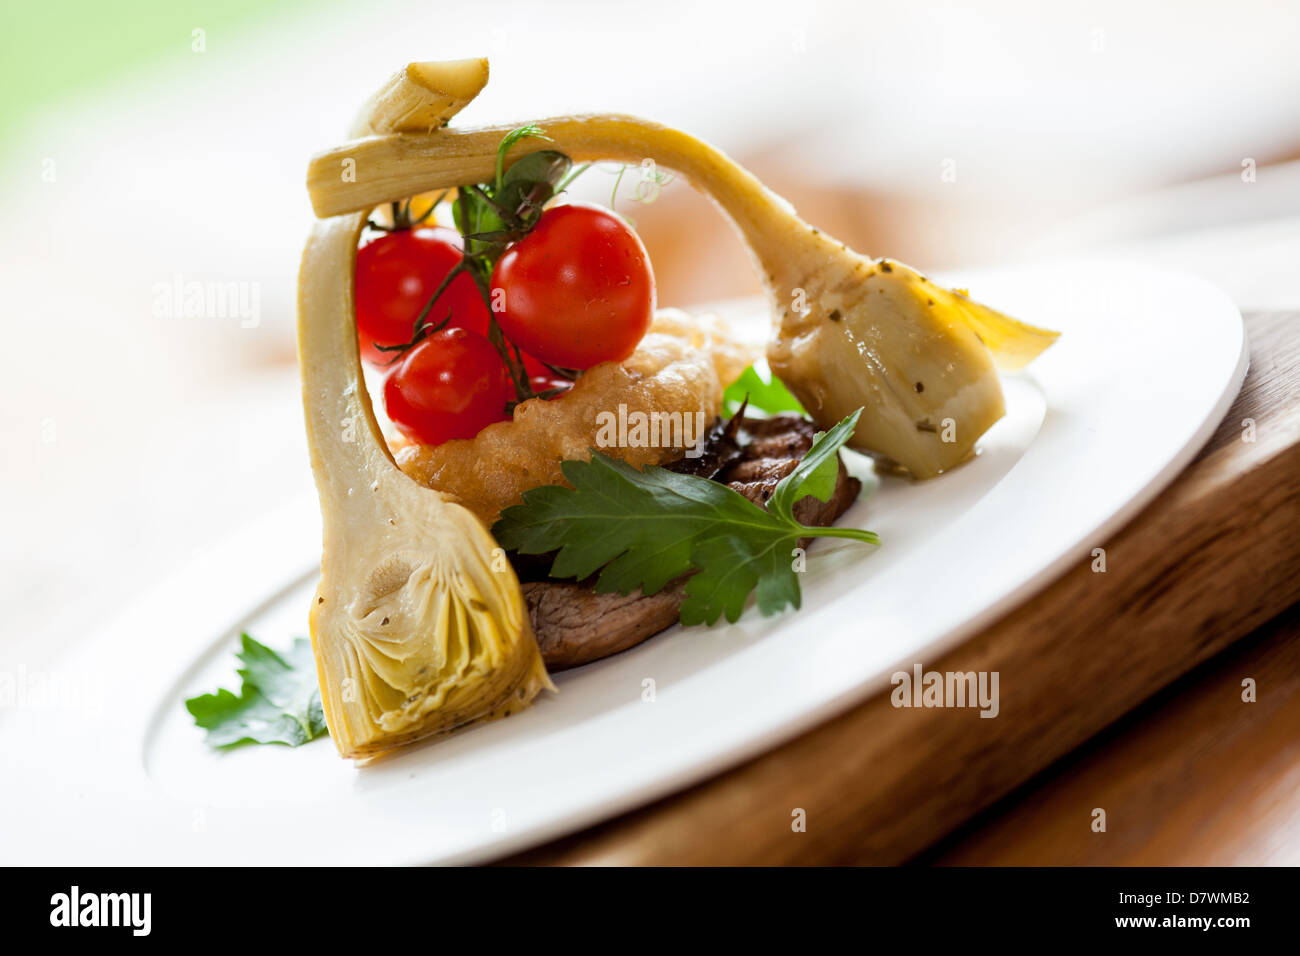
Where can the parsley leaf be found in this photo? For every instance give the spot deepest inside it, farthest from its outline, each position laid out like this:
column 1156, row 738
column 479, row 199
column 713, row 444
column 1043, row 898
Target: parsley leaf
column 816, row 472
column 766, row 394
column 278, row 703
column 642, row 529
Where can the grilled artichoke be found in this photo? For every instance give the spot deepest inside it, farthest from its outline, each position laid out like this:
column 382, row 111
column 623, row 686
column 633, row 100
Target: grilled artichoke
column 847, row 331
column 880, row 336
column 419, row 625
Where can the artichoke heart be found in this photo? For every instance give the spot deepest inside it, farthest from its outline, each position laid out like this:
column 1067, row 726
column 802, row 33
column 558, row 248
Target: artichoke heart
column 419, row 624
column 916, row 356
column 420, row 630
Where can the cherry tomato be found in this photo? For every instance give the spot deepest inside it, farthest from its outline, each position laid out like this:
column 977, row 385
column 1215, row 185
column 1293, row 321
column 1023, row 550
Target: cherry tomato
column 549, row 382
column 577, row 290
column 397, row 274
column 542, row 379
column 450, row 385
column 535, row 367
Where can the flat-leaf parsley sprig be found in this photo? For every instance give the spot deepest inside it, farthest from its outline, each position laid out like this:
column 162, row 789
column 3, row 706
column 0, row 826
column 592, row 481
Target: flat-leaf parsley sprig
column 278, row 701
column 642, row 529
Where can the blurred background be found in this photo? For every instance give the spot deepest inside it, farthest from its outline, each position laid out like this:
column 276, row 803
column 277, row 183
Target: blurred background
column 146, row 144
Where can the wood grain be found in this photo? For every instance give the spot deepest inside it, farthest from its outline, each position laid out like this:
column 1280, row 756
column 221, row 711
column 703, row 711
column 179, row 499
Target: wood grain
column 1213, row 558
column 1198, row 777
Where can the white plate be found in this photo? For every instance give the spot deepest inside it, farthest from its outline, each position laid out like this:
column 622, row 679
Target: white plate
column 109, row 769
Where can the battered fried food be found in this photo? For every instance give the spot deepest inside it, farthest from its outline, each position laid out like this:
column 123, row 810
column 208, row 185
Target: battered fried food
column 681, row 366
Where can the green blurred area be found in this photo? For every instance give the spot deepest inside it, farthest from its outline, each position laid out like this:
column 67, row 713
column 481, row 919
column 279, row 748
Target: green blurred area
column 52, row 48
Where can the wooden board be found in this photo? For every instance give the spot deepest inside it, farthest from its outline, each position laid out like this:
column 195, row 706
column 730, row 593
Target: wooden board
column 1213, row 558
column 1200, row 776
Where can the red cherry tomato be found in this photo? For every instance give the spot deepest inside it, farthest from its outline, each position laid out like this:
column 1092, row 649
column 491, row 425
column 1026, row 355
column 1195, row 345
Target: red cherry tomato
column 541, row 377
column 450, row 385
column 548, row 383
column 397, row 274
column 577, row 290
column 534, row 367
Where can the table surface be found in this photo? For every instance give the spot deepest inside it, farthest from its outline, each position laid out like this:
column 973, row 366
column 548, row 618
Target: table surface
column 1137, row 705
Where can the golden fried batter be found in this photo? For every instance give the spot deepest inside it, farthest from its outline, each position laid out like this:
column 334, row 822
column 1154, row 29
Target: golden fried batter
column 682, row 366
